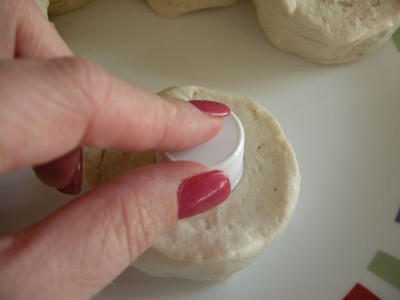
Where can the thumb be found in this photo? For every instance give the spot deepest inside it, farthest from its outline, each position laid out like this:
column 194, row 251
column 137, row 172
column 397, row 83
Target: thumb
column 85, row 245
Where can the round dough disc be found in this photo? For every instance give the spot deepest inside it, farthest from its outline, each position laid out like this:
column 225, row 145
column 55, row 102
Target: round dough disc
column 59, row 7
column 329, row 31
column 43, row 5
column 214, row 245
column 175, row 8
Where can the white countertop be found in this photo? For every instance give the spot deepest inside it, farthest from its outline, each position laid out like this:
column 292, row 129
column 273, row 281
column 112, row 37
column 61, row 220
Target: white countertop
column 343, row 122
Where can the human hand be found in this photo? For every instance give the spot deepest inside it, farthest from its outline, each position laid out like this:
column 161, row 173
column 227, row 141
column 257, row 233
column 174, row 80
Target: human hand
column 49, row 108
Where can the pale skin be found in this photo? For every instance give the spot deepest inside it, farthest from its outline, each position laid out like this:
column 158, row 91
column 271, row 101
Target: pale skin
column 52, row 103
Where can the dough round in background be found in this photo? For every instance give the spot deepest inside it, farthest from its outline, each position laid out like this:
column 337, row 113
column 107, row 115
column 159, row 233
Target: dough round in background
column 59, row 7
column 174, row 8
column 43, row 5
column 214, row 245
column 329, row 31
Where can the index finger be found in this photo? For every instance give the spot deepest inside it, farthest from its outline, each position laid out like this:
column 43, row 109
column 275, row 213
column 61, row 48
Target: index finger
column 49, row 108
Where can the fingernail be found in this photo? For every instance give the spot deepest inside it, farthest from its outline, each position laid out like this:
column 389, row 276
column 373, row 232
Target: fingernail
column 212, row 108
column 202, row 192
column 75, row 185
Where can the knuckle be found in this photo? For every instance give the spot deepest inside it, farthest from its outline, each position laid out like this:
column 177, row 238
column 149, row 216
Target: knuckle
column 133, row 227
column 89, row 78
column 92, row 85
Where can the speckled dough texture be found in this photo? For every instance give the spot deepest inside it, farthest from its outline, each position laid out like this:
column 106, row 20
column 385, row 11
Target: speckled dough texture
column 212, row 246
column 329, row 31
column 174, row 8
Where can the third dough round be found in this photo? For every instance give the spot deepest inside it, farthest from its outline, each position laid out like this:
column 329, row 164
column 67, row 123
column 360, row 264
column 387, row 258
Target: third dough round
column 329, row 31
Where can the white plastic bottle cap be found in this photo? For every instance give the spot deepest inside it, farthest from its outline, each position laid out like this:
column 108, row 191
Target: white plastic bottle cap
column 223, row 152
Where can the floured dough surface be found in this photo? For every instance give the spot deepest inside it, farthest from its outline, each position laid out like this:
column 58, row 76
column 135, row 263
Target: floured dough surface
column 329, row 31
column 214, row 245
column 174, row 8
column 102, row 165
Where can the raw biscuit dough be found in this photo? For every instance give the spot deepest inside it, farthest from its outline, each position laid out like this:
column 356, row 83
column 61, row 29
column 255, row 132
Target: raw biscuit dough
column 212, row 246
column 58, row 7
column 174, row 8
column 329, row 31
column 43, row 5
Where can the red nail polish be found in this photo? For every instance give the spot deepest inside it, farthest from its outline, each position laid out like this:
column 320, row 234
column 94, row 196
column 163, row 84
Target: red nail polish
column 75, row 185
column 202, row 192
column 212, row 108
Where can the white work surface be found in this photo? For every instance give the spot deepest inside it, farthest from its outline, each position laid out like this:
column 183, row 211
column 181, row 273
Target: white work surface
column 343, row 122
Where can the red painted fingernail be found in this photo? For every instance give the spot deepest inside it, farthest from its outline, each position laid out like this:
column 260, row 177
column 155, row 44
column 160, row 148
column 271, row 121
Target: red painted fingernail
column 75, row 185
column 212, row 108
column 202, row 192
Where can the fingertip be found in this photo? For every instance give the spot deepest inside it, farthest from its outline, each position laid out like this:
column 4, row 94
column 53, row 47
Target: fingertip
column 190, row 123
column 75, row 184
column 212, row 108
column 202, row 192
column 64, row 174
